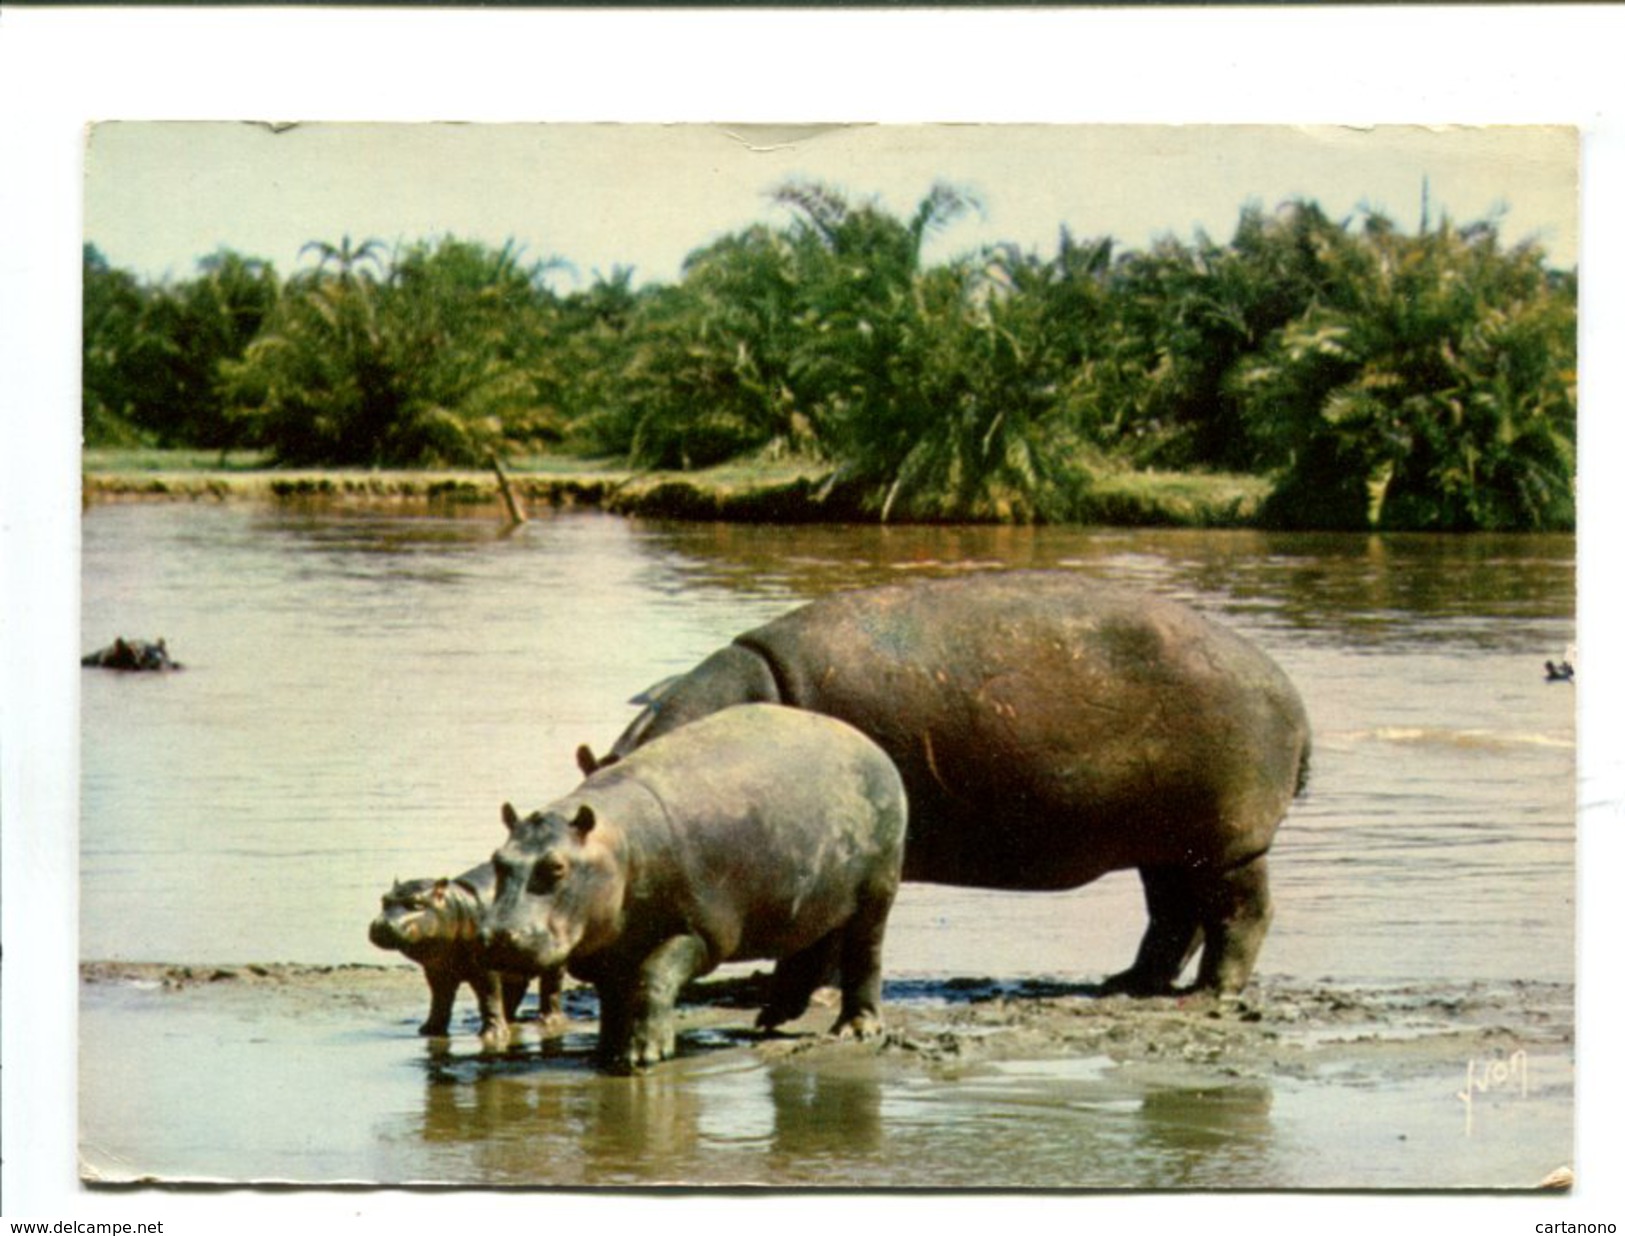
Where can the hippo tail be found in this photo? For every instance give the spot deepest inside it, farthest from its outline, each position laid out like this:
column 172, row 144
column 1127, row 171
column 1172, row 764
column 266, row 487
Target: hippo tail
column 652, row 695
column 737, row 673
column 1302, row 787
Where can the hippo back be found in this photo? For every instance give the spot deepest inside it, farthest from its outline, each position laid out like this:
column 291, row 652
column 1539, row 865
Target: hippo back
column 745, row 827
column 745, row 769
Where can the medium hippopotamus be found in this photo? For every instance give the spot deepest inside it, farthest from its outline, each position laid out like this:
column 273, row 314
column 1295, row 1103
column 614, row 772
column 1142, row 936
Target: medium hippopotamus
column 1049, row 729
column 131, row 654
column 436, row 923
column 759, row 832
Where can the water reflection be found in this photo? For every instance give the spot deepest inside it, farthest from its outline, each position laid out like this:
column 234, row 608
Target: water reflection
column 1208, row 1136
column 818, row 1118
column 1364, row 589
column 553, row 1119
column 546, row 1115
column 543, row 1114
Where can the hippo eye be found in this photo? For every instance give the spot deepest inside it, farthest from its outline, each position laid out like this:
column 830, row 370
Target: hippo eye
column 545, row 876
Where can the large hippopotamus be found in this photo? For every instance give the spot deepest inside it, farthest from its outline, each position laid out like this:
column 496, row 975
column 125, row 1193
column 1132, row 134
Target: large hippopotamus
column 759, row 832
column 131, row 654
column 1049, row 729
column 436, row 923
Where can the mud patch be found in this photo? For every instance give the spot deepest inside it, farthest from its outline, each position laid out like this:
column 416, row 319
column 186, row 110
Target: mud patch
column 1279, row 1024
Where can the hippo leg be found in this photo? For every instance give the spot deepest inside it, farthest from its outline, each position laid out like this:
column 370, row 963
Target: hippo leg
column 488, row 991
column 550, row 999
column 795, row 979
column 614, row 1022
column 1236, row 912
column 861, row 939
column 1171, row 937
column 514, row 987
column 650, row 1026
column 442, row 993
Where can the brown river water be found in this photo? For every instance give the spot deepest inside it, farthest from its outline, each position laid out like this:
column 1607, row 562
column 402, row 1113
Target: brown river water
column 363, row 689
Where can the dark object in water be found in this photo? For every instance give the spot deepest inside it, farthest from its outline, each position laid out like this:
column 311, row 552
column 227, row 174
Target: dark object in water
column 131, row 654
column 1560, row 671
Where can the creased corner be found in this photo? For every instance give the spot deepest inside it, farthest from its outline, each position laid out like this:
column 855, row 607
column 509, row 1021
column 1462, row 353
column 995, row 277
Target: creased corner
column 772, row 138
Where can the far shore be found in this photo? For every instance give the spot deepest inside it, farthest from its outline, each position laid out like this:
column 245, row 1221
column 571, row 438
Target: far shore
column 788, row 491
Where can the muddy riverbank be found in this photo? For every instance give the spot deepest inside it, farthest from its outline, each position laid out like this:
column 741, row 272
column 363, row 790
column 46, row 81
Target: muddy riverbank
column 1422, row 1086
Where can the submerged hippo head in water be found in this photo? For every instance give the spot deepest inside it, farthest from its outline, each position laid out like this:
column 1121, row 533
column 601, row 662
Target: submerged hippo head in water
column 131, row 654
column 1049, row 729
column 436, row 923
column 758, row 832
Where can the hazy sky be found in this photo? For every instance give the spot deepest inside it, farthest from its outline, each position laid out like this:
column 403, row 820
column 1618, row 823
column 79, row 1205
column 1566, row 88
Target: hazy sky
column 160, row 195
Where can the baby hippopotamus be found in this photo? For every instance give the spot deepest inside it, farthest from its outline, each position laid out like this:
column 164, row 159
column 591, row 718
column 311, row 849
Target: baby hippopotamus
column 760, row 832
column 436, row 923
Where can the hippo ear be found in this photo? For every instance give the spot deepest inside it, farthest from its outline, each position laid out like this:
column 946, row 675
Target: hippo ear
column 586, row 761
column 584, row 821
column 440, row 891
column 510, row 817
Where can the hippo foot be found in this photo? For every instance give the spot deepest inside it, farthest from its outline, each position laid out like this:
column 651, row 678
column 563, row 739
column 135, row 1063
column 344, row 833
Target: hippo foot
column 865, row 1025
column 496, row 1038
column 1217, row 1003
column 435, row 1029
column 629, row 1063
column 554, row 1022
column 1135, row 983
column 649, row 1045
column 769, row 1020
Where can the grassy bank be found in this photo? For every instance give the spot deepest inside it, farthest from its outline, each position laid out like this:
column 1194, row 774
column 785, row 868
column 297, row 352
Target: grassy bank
column 746, row 492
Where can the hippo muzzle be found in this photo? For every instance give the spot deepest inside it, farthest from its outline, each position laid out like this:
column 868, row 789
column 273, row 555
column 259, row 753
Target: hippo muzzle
column 512, row 939
column 426, row 914
column 385, row 933
column 517, row 952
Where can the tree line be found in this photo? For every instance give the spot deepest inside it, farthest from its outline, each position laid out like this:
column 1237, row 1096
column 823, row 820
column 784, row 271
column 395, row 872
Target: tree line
column 1378, row 378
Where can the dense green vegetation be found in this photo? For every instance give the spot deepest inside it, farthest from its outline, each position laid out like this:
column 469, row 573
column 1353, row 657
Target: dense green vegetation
column 1374, row 378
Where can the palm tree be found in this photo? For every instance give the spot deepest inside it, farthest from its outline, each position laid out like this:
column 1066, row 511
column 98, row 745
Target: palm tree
column 1432, row 387
column 347, row 257
column 946, row 391
column 424, row 359
column 708, row 376
column 153, row 354
column 867, row 316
